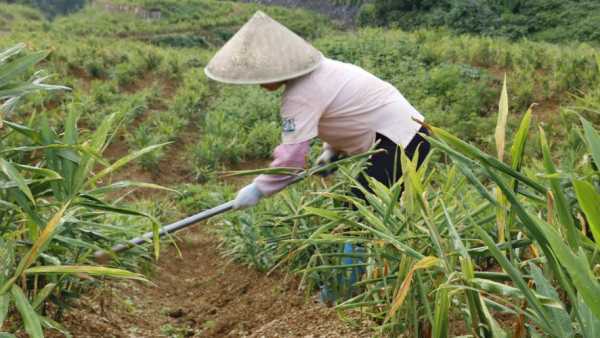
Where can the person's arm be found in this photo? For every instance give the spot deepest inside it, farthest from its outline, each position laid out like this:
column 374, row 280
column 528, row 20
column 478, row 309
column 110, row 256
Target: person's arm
column 300, row 125
column 285, row 155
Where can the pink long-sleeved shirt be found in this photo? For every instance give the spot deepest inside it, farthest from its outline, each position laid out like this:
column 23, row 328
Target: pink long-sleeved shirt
column 343, row 105
column 285, row 155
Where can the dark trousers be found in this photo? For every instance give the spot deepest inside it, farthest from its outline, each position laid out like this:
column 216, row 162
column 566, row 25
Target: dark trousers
column 386, row 166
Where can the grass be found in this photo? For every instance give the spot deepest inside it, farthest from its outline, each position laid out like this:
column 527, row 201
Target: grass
column 542, row 20
column 516, row 245
column 432, row 249
column 50, row 199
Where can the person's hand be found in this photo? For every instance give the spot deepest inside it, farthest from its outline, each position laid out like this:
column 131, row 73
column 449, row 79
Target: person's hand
column 247, row 197
column 327, row 156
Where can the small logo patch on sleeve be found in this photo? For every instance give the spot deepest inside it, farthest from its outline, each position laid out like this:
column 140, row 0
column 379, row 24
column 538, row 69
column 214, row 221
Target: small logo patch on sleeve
column 289, row 125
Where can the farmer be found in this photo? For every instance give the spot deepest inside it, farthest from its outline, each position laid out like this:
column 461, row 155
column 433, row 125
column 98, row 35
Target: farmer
column 345, row 106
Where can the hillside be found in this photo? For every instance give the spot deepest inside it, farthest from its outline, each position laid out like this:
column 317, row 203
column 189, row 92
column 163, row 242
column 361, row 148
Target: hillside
column 541, row 20
column 496, row 234
column 545, row 20
column 52, row 8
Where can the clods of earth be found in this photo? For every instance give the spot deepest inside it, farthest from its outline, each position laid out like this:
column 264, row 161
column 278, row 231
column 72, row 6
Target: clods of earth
column 198, row 293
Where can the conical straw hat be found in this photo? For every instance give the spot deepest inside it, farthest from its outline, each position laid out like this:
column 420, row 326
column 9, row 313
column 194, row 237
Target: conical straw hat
column 263, row 51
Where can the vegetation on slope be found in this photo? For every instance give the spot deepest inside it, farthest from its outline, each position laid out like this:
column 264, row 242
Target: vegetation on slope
column 52, row 199
column 52, row 8
column 147, row 75
column 61, row 195
column 488, row 245
column 548, row 20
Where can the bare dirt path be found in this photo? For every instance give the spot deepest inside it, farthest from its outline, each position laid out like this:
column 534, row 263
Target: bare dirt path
column 200, row 294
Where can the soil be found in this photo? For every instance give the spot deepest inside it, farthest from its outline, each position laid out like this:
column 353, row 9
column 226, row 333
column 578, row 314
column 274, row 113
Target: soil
column 193, row 290
column 200, row 294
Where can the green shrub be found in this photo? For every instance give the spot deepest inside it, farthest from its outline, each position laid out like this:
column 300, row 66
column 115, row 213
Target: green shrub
column 142, row 137
column 262, row 139
column 181, row 41
column 95, row 68
column 53, row 214
column 433, row 249
column 158, row 92
column 367, row 15
column 549, row 20
column 239, row 125
column 124, row 74
column 52, row 8
column 466, row 16
column 152, row 60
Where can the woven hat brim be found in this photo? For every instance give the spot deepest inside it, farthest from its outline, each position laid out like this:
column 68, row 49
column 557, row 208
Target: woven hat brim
column 261, row 81
column 263, row 51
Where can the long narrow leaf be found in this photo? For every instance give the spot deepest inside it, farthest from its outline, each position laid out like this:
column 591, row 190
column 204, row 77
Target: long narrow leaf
column 589, row 200
column 590, row 324
column 518, row 146
column 36, row 248
column 52, row 324
column 96, row 144
column 41, row 296
column 4, row 305
column 425, row 263
column 121, row 162
column 559, row 314
column 69, row 164
column 30, row 318
column 15, row 68
column 517, row 278
column 128, row 184
column 593, row 140
column 442, row 307
column 562, row 206
column 90, row 270
column 472, row 152
column 10, row 52
column 13, row 174
column 502, row 119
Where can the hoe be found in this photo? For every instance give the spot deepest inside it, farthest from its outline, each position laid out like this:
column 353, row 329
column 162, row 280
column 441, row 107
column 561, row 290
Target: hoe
column 104, row 256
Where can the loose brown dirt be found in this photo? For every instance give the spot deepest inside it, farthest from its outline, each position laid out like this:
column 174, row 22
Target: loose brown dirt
column 200, row 294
